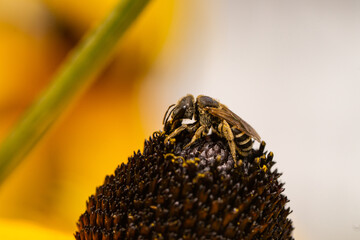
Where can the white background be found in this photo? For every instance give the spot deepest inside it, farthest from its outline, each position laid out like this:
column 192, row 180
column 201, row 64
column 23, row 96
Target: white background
column 292, row 70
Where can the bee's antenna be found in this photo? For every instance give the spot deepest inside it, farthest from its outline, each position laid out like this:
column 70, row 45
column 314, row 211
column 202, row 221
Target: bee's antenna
column 166, row 116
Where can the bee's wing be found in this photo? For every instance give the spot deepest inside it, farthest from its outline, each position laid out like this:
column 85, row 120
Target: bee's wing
column 234, row 120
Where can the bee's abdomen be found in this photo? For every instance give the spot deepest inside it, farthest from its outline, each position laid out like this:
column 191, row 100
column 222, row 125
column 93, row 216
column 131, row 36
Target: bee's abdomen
column 243, row 142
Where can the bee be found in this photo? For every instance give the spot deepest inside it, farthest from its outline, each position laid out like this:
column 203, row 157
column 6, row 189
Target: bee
column 209, row 113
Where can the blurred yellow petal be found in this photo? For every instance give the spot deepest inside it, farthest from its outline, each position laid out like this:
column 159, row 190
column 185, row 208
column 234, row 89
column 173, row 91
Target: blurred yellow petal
column 53, row 183
column 80, row 14
column 26, row 63
column 16, row 230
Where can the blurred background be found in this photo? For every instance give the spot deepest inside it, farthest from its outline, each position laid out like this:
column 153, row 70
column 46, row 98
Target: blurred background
column 291, row 69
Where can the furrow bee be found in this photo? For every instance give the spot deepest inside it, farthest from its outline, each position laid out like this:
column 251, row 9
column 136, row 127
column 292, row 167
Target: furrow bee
column 209, row 113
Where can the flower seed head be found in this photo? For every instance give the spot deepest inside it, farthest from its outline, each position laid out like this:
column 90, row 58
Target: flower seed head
column 168, row 192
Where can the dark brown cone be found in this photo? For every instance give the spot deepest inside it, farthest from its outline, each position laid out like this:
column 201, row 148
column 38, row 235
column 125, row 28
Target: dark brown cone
column 196, row 193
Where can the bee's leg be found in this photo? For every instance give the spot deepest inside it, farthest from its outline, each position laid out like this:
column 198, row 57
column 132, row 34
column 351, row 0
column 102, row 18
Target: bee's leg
column 216, row 132
column 226, row 131
column 172, row 125
column 175, row 124
column 175, row 132
column 193, row 127
column 178, row 130
column 196, row 136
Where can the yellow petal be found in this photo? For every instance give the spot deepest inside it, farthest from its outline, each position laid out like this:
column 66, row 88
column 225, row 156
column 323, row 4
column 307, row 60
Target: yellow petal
column 16, row 230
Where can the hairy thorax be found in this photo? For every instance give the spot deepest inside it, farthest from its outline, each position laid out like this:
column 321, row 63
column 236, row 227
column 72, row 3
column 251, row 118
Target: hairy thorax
column 206, row 119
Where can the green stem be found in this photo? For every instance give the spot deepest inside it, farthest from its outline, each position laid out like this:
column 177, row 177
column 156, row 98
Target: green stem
column 76, row 74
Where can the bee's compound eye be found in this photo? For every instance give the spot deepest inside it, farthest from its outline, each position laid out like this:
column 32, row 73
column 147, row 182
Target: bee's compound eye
column 187, row 101
column 205, row 101
column 184, row 108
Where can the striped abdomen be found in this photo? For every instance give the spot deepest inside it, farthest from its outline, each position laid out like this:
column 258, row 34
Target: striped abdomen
column 243, row 142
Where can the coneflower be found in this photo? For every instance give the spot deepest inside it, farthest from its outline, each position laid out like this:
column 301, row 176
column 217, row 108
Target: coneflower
column 168, row 192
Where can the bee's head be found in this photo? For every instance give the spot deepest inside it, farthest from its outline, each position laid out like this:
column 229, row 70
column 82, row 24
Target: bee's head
column 205, row 101
column 185, row 108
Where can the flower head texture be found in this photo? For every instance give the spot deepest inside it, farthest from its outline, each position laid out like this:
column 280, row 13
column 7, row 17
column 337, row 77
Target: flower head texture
column 168, row 192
